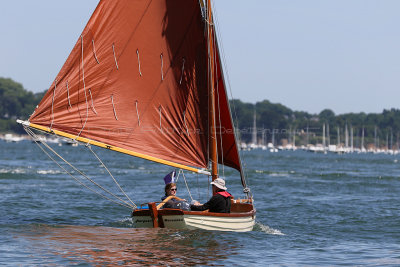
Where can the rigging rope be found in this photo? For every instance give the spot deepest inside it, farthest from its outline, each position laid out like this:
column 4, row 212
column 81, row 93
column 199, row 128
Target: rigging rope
column 237, row 134
column 105, row 167
column 35, row 138
column 184, row 178
column 219, row 109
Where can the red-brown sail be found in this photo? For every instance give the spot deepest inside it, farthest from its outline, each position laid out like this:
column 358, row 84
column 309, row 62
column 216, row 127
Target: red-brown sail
column 137, row 79
column 225, row 131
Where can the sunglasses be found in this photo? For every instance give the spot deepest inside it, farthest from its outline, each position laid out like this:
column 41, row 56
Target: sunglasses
column 173, row 189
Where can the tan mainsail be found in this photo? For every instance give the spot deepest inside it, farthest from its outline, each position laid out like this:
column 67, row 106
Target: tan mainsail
column 137, row 79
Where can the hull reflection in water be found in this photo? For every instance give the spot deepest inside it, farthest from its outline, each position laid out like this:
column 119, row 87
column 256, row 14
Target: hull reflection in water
column 105, row 245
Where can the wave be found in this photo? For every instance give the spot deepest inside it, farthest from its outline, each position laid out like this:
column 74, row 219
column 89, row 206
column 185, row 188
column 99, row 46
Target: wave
column 48, row 172
column 13, row 171
column 275, row 173
column 266, row 229
column 126, row 222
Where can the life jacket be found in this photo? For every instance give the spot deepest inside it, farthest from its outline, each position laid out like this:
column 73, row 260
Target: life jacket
column 224, row 193
column 227, row 197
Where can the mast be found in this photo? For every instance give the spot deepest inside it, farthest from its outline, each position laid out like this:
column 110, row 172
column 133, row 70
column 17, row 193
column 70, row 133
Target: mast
column 338, row 136
column 327, row 135
column 351, row 138
column 211, row 99
column 362, row 139
column 294, row 139
column 391, row 139
column 254, row 139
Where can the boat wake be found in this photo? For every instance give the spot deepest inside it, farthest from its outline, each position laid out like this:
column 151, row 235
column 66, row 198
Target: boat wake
column 266, row 229
column 123, row 223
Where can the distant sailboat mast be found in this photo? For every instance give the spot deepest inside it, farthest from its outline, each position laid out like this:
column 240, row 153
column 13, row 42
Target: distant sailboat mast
column 391, row 139
column 327, row 135
column 294, row 139
column 273, row 138
column 362, row 140
column 254, row 137
column 387, row 141
column 263, row 137
column 338, row 136
column 351, row 138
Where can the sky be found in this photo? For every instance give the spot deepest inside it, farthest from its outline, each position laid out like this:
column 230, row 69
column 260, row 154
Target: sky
column 308, row 55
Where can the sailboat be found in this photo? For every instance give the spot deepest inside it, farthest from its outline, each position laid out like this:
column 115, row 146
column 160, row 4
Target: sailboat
column 145, row 78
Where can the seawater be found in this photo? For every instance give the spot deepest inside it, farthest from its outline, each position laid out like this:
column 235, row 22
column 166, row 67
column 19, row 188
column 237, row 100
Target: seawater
column 312, row 210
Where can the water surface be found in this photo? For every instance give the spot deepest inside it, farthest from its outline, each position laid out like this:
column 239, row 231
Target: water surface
column 312, row 209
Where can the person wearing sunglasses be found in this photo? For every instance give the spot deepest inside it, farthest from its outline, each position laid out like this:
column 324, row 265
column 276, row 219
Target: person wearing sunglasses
column 170, row 190
column 174, row 203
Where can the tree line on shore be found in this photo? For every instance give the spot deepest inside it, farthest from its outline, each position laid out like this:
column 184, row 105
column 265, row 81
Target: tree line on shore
column 15, row 103
column 380, row 129
column 271, row 119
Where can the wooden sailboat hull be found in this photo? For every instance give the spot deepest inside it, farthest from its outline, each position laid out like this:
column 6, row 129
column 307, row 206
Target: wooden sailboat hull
column 179, row 219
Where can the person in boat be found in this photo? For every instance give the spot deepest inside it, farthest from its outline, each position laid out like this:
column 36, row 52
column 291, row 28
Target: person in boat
column 219, row 202
column 170, row 190
column 174, row 203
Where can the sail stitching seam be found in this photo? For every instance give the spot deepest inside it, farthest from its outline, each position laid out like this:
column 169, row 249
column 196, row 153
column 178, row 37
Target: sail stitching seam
column 115, row 58
column 94, row 52
column 69, row 102
column 160, row 111
column 84, row 89
column 52, row 104
column 162, row 65
column 137, row 112
column 137, row 52
column 183, row 68
column 91, row 97
column 112, row 101
column 184, row 120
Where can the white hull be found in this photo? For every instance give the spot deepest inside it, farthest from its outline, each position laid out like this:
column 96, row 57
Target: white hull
column 216, row 223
